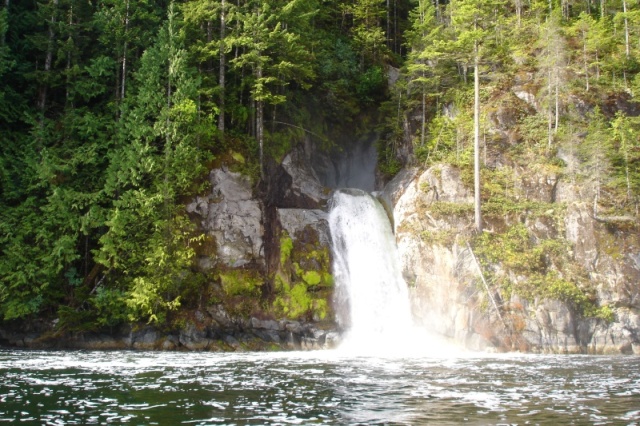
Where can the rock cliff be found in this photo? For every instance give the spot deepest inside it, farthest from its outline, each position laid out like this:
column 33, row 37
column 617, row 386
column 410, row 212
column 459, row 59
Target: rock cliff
column 551, row 278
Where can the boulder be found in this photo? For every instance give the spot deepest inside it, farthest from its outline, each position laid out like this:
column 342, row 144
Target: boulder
column 295, row 221
column 233, row 218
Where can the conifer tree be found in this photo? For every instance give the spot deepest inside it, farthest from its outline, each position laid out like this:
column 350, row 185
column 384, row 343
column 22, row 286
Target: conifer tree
column 424, row 41
column 472, row 22
column 552, row 63
column 270, row 47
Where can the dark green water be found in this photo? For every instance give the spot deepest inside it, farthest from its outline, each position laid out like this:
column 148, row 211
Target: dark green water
column 65, row 387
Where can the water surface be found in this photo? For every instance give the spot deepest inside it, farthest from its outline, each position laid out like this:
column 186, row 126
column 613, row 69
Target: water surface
column 70, row 387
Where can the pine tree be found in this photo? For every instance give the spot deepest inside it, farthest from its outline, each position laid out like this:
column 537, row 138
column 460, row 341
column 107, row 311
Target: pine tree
column 595, row 152
column 473, row 21
column 368, row 35
column 269, row 43
column 552, row 64
column 148, row 245
column 624, row 131
column 424, row 41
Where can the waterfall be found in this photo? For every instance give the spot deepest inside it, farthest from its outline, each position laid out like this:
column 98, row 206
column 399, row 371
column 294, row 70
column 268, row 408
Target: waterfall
column 373, row 298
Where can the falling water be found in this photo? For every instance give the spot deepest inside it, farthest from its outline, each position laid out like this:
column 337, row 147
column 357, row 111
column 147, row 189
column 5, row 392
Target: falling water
column 367, row 272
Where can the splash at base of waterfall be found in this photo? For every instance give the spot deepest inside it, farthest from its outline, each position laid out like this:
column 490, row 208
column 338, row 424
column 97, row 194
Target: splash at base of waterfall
column 372, row 298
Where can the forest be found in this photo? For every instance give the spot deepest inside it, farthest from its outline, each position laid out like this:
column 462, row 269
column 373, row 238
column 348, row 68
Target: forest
column 112, row 112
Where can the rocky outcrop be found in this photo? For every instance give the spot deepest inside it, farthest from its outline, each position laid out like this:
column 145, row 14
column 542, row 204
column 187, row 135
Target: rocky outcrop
column 296, row 184
column 232, row 217
column 433, row 225
column 210, row 330
column 268, row 255
column 296, row 221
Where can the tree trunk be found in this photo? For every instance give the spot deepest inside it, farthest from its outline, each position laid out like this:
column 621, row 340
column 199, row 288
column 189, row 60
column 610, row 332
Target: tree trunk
column 68, row 69
column 124, row 54
column 549, row 118
column 625, row 150
column 396, row 48
column 260, row 125
column 4, row 35
column 42, row 102
column 424, row 113
column 557, row 107
column 221, row 77
column 626, row 29
column 389, row 24
column 476, row 139
column 584, row 58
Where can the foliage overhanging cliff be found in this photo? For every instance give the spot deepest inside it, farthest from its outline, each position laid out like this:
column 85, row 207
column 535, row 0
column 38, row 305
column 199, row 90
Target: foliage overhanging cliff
column 112, row 111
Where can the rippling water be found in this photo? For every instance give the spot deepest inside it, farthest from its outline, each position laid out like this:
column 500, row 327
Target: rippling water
column 66, row 387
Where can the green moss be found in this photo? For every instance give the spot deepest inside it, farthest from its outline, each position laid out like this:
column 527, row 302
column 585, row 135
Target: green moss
column 240, row 282
column 327, row 279
column 311, row 278
column 286, row 245
column 444, row 237
column 544, row 268
column 303, row 280
column 446, row 209
column 281, row 281
column 320, row 307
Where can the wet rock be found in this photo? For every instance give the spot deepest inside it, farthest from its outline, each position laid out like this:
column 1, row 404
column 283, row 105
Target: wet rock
column 332, row 339
column 169, row 343
column 145, row 338
column 396, row 187
column 232, row 341
column 234, row 219
column 220, row 316
column 193, row 338
column 265, row 324
column 297, row 185
column 294, row 221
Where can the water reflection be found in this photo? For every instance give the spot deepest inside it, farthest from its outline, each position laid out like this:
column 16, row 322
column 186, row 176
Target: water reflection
column 315, row 388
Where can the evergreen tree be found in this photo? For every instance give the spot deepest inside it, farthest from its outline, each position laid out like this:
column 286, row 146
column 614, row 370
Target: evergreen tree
column 424, row 42
column 552, row 63
column 148, row 247
column 473, row 21
column 626, row 161
column 269, row 47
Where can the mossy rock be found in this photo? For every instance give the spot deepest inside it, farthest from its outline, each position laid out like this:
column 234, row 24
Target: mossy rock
column 304, row 272
column 240, row 282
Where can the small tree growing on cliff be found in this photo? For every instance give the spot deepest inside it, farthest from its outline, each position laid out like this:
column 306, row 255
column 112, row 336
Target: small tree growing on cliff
column 594, row 152
column 627, row 159
column 472, row 22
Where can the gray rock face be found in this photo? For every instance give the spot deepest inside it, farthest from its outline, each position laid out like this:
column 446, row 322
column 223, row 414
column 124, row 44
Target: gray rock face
column 206, row 334
column 448, row 297
column 299, row 186
column 296, row 220
column 233, row 217
column 396, row 187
